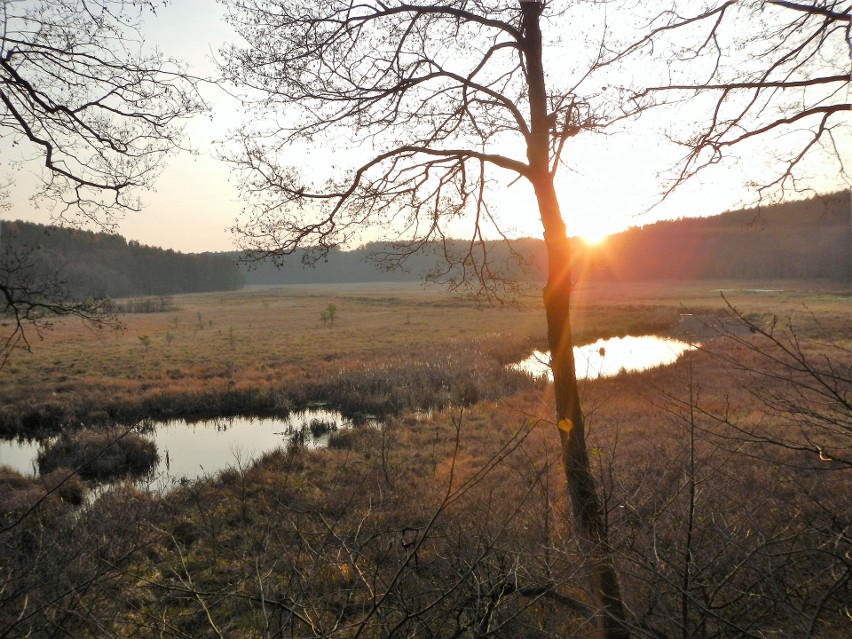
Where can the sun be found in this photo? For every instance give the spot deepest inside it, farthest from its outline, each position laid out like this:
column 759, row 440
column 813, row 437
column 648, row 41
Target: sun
column 591, row 229
column 593, row 238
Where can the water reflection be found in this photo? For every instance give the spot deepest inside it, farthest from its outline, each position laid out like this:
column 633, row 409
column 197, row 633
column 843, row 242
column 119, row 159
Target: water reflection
column 20, row 455
column 609, row 357
column 191, row 450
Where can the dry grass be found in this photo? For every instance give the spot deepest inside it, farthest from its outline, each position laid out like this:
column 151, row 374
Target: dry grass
column 392, row 347
column 460, row 513
column 261, row 350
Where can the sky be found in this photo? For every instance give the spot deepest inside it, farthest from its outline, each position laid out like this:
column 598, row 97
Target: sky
column 614, row 179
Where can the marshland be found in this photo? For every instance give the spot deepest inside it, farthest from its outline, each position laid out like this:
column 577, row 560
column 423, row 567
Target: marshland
column 725, row 475
column 255, row 432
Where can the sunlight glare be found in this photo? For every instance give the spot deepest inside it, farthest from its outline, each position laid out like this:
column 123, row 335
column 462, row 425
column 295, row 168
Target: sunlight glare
column 593, row 238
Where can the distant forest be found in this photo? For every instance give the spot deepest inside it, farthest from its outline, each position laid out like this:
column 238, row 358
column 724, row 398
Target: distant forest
column 809, row 239
column 84, row 264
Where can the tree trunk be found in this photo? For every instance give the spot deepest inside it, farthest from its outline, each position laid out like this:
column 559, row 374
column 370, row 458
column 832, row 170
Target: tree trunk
column 588, row 519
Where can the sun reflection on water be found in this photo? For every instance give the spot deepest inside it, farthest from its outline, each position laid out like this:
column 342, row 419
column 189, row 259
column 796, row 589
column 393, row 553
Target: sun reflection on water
column 609, row 357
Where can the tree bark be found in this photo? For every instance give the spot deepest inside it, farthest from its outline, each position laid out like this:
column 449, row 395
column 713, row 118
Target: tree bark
column 588, row 520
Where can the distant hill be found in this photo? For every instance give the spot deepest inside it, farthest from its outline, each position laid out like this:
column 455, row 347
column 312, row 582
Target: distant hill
column 87, row 264
column 808, row 239
column 337, row 266
column 811, row 239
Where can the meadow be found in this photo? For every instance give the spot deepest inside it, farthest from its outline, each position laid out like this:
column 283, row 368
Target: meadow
column 725, row 476
column 262, row 350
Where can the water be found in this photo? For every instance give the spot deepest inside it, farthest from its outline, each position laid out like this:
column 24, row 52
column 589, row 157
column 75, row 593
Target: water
column 19, row 454
column 192, row 450
column 610, row 357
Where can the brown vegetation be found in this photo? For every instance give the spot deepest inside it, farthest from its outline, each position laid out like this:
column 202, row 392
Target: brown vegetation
column 449, row 524
column 264, row 351
column 99, row 454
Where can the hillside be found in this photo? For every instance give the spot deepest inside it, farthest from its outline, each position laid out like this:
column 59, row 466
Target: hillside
column 809, row 239
column 797, row 240
column 83, row 264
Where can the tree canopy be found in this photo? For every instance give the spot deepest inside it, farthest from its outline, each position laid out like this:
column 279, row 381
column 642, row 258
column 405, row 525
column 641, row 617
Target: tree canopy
column 777, row 72
column 421, row 108
column 79, row 91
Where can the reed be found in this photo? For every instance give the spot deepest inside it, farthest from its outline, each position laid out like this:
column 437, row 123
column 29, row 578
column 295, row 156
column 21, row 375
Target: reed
column 459, row 512
column 262, row 351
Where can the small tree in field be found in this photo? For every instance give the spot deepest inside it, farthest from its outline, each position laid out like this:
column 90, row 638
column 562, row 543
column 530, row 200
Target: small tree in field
column 331, row 312
column 145, row 340
column 447, row 97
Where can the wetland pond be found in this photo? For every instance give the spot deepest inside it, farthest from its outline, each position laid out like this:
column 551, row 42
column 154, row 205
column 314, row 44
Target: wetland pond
column 611, row 357
column 189, row 450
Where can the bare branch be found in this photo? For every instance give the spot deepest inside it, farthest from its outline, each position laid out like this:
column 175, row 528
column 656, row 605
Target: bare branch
column 76, row 88
column 794, row 68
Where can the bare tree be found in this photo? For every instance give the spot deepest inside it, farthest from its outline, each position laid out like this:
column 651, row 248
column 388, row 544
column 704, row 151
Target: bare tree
column 79, row 93
column 434, row 101
column 761, row 71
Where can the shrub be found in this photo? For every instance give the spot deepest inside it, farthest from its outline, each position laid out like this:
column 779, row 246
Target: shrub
column 19, row 493
column 359, row 437
column 100, row 454
column 65, row 484
column 319, row 427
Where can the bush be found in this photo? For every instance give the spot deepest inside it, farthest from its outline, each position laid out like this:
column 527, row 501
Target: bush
column 100, row 454
column 358, row 438
column 320, row 427
column 19, row 493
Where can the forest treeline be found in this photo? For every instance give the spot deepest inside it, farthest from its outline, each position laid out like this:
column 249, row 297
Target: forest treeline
column 808, row 239
column 84, row 264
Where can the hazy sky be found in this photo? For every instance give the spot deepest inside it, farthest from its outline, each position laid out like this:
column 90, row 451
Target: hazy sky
column 614, row 179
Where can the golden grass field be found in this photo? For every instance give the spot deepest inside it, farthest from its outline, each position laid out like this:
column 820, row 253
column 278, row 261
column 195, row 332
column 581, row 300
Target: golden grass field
column 271, row 339
column 728, row 514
